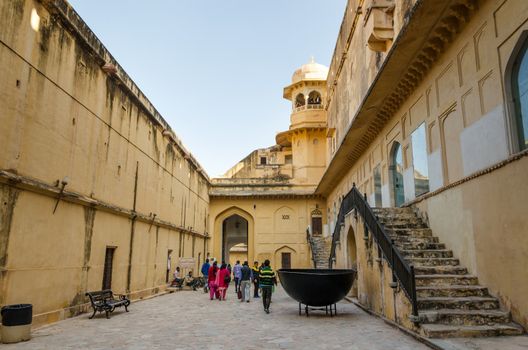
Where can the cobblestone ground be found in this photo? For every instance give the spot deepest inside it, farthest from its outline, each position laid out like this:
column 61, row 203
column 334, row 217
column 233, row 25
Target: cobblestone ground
column 189, row 320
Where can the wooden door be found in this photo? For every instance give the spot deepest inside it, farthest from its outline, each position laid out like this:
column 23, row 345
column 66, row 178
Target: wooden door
column 108, row 266
column 286, row 260
column 317, row 226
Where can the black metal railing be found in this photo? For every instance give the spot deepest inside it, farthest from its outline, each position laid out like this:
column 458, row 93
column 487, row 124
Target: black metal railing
column 312, row 246
column 401, row 270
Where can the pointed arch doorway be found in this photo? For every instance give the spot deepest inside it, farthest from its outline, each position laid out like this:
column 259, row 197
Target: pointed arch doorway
column 396, row 174
column 227, row 237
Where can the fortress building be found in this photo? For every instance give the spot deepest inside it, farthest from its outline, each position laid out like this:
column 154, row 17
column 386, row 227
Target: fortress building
column 422, row 114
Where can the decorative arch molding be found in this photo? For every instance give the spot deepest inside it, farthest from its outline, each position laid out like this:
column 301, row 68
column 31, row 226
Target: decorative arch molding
column 218, row 230
column 287, row 250
column 285, row 247
column 509, row 71
column 285, row 220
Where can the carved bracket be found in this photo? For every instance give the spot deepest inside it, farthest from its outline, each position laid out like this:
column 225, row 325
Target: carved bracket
column 379, row 24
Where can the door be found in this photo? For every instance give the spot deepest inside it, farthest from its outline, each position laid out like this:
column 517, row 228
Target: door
column 396, row 170
column 317, row 225
column 286, row 260
column 169, row 258
column 108, row 267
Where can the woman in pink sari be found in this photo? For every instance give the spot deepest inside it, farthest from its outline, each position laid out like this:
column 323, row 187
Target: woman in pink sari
column 211, row 280
column 221, row 281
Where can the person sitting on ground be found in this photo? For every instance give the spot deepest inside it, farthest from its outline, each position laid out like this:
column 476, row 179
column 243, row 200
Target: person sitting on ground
column 177, row 278
column 190, row 280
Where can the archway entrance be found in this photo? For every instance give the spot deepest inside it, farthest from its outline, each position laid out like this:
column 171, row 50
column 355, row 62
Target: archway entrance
column 352, row 258
column 234, row 233
column 396, row 174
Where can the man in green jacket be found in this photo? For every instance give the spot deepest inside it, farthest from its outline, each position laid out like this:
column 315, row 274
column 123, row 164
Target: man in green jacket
column 267, row 279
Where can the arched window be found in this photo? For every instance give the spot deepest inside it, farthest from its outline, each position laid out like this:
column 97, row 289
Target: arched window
column 519, row 81
column 299, row 100
column 314, row 98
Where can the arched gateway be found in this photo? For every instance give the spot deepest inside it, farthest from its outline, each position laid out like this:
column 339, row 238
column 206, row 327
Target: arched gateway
column 236, row 228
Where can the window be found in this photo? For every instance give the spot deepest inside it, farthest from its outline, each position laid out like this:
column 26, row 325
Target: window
column 377, row 187
column 263, row 160
column 288, row 159
column 300, row 100
column 108, row 267
column 314, row 98
column 419, row 152
column 520, row 94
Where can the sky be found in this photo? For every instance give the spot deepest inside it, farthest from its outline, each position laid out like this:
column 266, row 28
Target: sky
column 215, row 70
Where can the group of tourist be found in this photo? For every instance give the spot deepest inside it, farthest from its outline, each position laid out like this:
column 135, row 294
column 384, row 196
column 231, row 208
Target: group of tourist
column 218, row 279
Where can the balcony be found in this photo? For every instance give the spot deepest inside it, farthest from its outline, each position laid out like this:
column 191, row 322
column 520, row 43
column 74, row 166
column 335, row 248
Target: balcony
column 307, row 107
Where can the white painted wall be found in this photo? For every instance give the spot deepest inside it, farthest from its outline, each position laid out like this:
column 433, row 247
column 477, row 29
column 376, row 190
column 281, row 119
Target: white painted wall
column 484, row 142
column 434, row 164
column 385, row 196
column 408, row 184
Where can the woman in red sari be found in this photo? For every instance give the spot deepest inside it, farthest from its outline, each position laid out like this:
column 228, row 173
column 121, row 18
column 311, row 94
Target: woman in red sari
column 211, row 280
column 221, row 281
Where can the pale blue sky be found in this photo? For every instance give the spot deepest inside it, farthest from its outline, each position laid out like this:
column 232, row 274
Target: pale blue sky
column 215, row 70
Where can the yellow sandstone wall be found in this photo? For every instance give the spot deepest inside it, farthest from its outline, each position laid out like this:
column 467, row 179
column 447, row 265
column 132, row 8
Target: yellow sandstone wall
column 130, row 182
column 464, row 101
column 275, row 225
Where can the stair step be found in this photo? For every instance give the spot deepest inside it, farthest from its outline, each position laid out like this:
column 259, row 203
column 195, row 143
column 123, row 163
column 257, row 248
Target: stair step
column 415, row 232
column 427, row 253
column 464, row 317
column 413, row 240
column 440, row 270
column 434, row 261
column 392, row 211
column 451, row 291
column 455, row 331
column 404, row 245
column 442, row 280
column 402, row 224
column 461, row 303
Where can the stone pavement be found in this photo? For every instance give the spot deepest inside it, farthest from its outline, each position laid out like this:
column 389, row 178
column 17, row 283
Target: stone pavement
column 189, row 320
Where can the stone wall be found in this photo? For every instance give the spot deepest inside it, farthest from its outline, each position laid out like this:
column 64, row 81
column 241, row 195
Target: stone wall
column 451, row 75
column 87, row 163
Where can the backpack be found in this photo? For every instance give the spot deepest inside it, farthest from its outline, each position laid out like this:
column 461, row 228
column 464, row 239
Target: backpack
column 227, row 279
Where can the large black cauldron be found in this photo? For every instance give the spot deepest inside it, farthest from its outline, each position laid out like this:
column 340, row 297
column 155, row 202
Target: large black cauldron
column 321, row 287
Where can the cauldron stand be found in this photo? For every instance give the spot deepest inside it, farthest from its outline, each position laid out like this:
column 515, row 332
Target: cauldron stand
column 332, row 308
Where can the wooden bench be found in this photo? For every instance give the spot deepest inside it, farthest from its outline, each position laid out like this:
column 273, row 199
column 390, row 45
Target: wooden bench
column 107, row 301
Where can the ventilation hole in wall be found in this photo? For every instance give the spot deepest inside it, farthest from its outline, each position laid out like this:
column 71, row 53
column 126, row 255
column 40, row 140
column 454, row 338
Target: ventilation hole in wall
column 18, row 83
column 119, row 170
column 73, row 121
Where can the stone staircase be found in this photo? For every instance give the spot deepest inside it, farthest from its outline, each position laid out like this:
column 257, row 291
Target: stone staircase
column 451, row 303
column 321, row 247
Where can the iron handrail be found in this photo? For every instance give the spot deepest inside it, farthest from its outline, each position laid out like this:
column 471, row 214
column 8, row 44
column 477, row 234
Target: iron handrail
column 311, row 245
column 401, row 270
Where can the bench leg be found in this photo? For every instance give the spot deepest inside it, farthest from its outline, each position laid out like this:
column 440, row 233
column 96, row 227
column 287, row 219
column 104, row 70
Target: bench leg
column 126, row 307
column 107, row 313
column 93, row 315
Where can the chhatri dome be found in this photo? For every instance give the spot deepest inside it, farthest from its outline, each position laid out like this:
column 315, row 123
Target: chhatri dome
column 310, row 71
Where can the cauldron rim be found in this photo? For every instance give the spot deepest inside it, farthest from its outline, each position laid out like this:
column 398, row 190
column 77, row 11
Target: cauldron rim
column 310, row 286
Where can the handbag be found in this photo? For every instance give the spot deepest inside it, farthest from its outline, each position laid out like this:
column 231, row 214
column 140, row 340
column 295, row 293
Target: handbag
column 239, row 294
column 227, row 279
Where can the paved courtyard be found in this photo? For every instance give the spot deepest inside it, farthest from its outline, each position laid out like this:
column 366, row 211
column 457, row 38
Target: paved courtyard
column 189, row 320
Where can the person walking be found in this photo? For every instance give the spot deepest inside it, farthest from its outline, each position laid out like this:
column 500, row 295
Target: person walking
column 267, row 281
column 223, row 277
column 211, row 280
column 245, row 281
column 236, row 275
column 205, row 273
column 255, row 278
